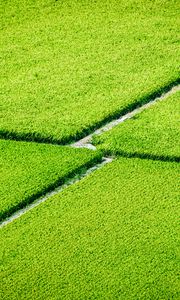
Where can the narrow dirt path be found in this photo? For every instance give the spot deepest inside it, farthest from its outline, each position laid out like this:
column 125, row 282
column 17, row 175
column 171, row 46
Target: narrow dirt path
column 87, row 143
column 77, row 178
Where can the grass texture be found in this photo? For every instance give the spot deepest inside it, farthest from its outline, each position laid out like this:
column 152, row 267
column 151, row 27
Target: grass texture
column 114, row 235
column 68, row 66
column 153, row 133
column 29, row 170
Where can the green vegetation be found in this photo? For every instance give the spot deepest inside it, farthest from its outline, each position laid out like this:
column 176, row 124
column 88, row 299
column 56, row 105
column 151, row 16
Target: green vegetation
column 28, row 170
column 153, row 133
column 114, row 235
column 69, row 65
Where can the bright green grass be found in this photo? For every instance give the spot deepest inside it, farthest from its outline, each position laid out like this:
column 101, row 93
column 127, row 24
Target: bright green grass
column 28, row 170
column 154, row 132
column 113, row 235
column 68, row 65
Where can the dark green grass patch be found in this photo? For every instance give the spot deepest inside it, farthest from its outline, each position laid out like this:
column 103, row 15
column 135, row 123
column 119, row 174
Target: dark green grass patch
column 153, row 133
column 69, row 66
column 114, row 235
column 29, row 170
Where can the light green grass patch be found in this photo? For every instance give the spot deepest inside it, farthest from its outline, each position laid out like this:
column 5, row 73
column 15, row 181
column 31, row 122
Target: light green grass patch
column 67, row 66
column 28, row 170
column 114, row 235
column 155, row 132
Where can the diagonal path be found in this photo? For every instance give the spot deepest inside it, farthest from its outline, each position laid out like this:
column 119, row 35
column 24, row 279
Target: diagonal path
column 19, row 213
column 87, row 143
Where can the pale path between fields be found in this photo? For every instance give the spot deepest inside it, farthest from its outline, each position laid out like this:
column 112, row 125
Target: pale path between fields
column 86, row 143
column 78, row 177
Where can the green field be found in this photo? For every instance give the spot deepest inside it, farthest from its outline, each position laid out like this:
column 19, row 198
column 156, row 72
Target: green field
column 68, row 66
column 28, row 170
column 153, row 133
column 114, row 235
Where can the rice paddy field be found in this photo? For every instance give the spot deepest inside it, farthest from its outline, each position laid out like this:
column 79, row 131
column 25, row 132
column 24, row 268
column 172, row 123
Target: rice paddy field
column 68, row 66
column 31, row 169
column 153, row 133
column 108, row 225
column 112, row 235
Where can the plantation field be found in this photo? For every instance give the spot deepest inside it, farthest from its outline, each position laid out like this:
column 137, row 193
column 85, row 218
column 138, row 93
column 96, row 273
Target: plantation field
column 102, row 224
column 28, row 170
column 153, row 133
column 114, row 235
column 67, row 66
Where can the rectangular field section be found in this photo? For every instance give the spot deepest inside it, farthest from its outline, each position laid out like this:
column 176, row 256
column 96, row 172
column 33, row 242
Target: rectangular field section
column 69, row 66
column 28, row 170
column 153, row 133
column 114, row 235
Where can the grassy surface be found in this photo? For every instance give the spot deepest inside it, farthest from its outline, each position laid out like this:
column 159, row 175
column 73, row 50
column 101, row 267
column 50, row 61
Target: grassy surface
column 68, row 65
column 153, row 133
column 28, row 170
column 114, row 235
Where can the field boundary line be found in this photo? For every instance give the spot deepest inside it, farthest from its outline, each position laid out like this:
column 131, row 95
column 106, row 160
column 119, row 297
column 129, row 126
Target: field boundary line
column 51, row 186
column 71, row 181
column 86, row 142
column 147, row 156
column 86, row 132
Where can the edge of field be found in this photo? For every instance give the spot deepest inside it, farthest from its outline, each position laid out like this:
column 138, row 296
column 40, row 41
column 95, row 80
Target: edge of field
column 37, row 137
column 148, row 156
column 101, row 153
column 60, row 181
